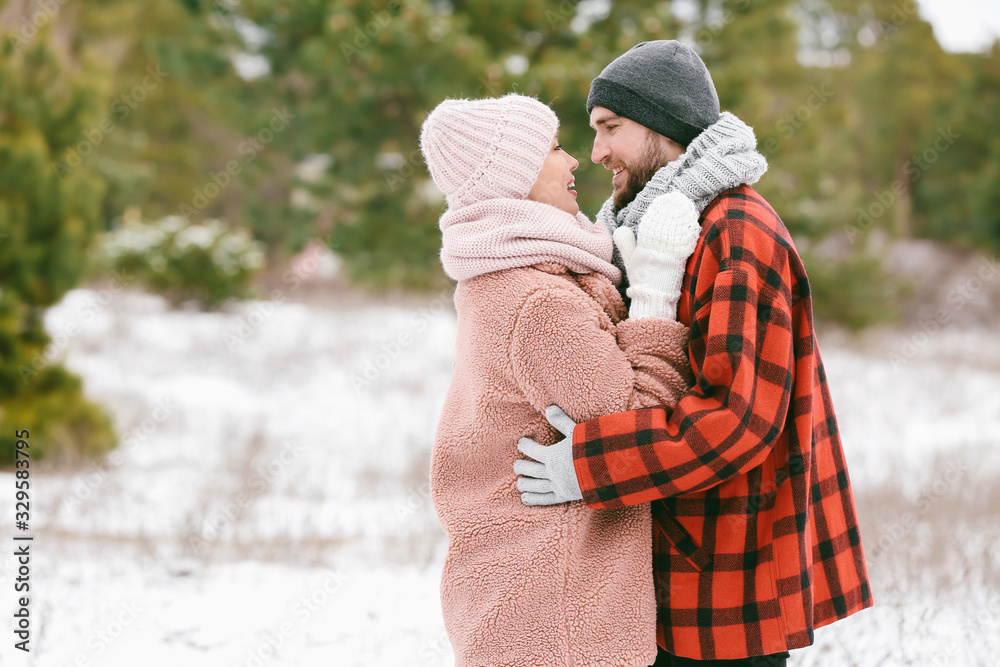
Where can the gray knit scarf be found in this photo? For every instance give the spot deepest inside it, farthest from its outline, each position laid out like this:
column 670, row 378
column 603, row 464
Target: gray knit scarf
column 722, row 157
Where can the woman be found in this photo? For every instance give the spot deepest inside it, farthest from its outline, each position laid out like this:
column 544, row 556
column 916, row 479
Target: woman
column 540, row 322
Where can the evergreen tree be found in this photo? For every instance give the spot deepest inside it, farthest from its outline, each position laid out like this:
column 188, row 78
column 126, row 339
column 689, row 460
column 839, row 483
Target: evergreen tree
column 47, row 218
column 958, row 197
column 323, row 140
column 901, row 77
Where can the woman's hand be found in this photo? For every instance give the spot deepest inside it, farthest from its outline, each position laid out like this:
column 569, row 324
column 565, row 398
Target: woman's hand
column 654, row 263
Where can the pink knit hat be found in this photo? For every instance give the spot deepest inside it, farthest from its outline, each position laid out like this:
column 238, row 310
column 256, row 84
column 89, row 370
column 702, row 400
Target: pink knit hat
column 487, row 149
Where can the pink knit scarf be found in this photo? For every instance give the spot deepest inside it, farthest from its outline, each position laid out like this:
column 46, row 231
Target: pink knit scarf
column 497, row 234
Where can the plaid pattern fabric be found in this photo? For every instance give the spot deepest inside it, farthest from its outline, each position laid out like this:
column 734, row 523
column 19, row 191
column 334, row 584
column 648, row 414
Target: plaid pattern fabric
column 755, row 536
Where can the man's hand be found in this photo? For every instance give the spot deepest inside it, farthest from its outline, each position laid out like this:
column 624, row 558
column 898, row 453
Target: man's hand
column 550, row 478
column 654, row 263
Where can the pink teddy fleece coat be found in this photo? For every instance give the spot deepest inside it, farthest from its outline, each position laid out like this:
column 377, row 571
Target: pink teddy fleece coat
column 563, row 585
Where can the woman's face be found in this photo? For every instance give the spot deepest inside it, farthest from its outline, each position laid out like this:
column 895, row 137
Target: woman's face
column 555, row 182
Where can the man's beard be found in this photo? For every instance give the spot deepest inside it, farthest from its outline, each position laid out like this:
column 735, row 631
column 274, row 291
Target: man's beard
column 653, row 157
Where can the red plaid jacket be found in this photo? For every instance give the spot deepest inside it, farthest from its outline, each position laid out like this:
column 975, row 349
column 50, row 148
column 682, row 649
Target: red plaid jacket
column 755, row 538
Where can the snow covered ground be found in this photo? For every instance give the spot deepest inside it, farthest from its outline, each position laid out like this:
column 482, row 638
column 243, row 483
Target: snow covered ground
column 269, row 504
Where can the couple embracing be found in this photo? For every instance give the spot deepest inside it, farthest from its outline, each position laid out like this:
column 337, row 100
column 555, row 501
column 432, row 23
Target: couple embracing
column 638, row 461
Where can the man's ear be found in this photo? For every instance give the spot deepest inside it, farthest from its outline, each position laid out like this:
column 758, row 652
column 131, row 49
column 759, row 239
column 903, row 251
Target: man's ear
column 673, row 144
column 673, row 149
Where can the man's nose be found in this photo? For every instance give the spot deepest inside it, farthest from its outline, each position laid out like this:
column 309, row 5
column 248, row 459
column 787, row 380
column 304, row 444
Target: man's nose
column 600, row 152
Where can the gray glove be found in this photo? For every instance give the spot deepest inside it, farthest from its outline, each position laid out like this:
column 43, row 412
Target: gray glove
column 550, row 478
column 655, row 262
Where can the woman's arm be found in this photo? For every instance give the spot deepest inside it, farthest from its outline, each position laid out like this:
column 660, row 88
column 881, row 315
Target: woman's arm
column 561, row 355
column 655, row 347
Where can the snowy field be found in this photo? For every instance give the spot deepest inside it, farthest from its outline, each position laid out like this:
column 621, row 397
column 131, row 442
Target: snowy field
column 269, row 504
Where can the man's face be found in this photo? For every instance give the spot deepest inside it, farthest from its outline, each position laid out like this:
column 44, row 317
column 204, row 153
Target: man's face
column 632, row 151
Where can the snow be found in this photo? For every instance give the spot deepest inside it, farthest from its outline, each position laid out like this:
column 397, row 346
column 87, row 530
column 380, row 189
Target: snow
column 268, row 504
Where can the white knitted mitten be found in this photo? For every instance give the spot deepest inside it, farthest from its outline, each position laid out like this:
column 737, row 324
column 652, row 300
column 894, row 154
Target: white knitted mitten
column 668, row 234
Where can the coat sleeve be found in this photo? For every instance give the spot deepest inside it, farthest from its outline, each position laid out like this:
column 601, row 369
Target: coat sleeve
column 561, row 354
column 722, row 427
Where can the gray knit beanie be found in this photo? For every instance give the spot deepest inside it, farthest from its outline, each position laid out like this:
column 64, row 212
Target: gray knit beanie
column 662, row 85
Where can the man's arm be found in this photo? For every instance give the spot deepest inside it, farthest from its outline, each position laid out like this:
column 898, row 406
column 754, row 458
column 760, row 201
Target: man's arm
column 561, row 354
column 654, row 344
column 723, row 426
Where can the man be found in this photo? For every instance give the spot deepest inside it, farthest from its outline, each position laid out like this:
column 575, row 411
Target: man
column 755, row 535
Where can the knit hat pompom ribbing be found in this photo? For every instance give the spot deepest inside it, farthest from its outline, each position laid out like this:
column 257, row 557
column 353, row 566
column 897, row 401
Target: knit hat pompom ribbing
column 487, row 149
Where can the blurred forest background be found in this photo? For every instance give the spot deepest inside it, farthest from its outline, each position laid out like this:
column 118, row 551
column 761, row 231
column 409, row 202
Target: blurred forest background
column 205, row 138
